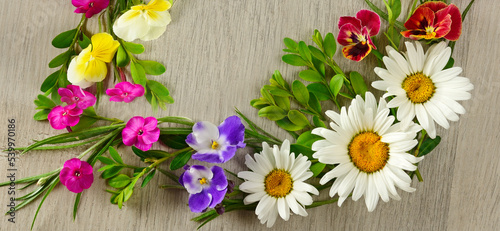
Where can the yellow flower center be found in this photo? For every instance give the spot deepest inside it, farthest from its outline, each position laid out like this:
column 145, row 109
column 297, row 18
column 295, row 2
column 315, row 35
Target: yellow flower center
column 419, row 88
column 278, row 183
column 203, row 181
column 368, row 153
column 215, row 145
column 430, row 33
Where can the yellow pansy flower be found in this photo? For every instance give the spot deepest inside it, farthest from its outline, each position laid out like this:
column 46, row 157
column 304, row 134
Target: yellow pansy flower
column 89, row 66
column 144, row 22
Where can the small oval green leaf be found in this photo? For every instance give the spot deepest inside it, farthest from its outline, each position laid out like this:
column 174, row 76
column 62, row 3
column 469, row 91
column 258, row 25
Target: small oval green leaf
column 272, row 112
column 180, row 160
column 311, row 76
column 152, row 67
column 358, row 83
column 330, row 45
column 119, row 181
column 64, row 39
column 294, row 60
column 300, row 92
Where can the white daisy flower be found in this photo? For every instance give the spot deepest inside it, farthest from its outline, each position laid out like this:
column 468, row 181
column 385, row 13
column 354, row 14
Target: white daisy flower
column 369, row 150
column 277, row 182
column 421, row 87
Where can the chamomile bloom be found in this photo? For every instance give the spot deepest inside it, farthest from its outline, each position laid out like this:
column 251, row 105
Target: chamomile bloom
column 369, row 150
column 421, row 87
column 277, row 183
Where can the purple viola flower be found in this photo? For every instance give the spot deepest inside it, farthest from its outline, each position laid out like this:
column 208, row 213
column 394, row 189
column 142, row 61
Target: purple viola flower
column 90, row 7
column 141, row 133
column 125, row 92
column 73, row 94
column 217, row 144
column 76, row 175
column 207, row 187
column 61, row 117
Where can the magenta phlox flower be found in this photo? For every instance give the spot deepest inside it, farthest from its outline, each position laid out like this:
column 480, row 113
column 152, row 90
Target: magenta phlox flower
column 89, row 7
column 61, row 117
column 73, row 94
column 217, row 144
column 125, row 92
column 76, row 175
column 207, row 187
column 141, row 133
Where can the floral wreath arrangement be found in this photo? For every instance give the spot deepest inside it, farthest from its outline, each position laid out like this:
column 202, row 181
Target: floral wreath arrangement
column 368, row 149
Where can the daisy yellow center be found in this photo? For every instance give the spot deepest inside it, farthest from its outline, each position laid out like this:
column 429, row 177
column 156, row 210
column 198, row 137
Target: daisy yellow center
column 368, row 153
column 215, row 145
column 203, row 181
column 278, row 183
column 419, row 88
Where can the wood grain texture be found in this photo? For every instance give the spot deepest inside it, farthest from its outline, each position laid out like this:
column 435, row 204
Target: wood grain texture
column 218, row 54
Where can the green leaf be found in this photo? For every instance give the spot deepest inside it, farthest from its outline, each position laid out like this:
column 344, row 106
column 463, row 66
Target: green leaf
column 301, row 149
column 75, row 206
column 317, row 168
column 138, row 74
column 43, row 102
column 50, row 81
column 41, row 115
column 177, row 120
column 156, row 154
column 286, row 124
column 63, row 79
column 383, row 15
column 318, row 122
column 279, row 79
column 267, row 96
column 329, row 45
column 122, row 58
column 450, row 63
column 304, row 51
column 114, row 154
column 311, row 75
column 174, row 141
column 105, row 160
column 64, row 39
column 318, row 39
column 319, row 90
column 317, row 54
column 282, row 102
column 336, row 84
column 298, row 118
column 294, row 60
column 428, row 145
column 307, row 139
column 314, row 103
column 133, row 48
column 464, row 13
column 84, row 123
column 119, row 181
column 108, row 173
column 259, row 103
column 84, row 42
column 396, row 9
column 148, row 178
column 272, row 112
column 358, row 83
column 160, row 91
column 180, row 160
column 292, row 45
column 152, row 67
column 300, row 92
column 60, row 59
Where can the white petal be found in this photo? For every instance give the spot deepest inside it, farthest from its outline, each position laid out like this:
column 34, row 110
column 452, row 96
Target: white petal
column 283, row 209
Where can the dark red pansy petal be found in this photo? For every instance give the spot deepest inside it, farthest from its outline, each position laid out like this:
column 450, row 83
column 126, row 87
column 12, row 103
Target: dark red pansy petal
column 421, row 18
column 434, row 5
column 443, row 27
column 370, row 20
column 349, row 20
column 348, row 35
column 456, row 23
column 357, row 52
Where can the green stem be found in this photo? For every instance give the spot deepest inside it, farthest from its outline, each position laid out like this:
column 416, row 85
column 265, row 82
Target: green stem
column 424, row 133
column 102, row 141
column 419, row 177
column 320, row 203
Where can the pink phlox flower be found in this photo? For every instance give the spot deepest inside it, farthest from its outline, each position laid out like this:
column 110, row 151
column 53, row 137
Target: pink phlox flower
column 61, row 117
column 89, row 7
column 355, row 33
column 125, row 92
column 76, row 175
column 141, row 133
column 73, row 94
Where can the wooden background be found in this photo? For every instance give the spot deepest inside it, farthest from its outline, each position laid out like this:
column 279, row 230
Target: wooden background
column 218, row 54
